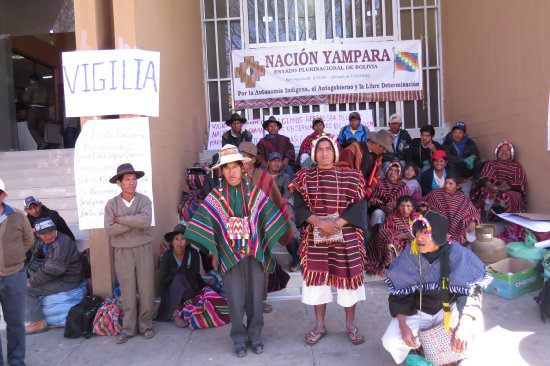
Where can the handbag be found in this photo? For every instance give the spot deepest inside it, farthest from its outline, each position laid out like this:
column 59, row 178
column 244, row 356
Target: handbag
column 435, row 341
column 336, row 237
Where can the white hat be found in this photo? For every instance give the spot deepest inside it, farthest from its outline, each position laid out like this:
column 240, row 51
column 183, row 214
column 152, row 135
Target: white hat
column 3, row 186
column 328, row 137
column 395, row 118
column 229, row 154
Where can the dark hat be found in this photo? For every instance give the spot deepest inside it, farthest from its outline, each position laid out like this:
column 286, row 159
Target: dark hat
column 30, row 200
column 317, row 120
column 179, row 229
column 271, row 119
column 274, row 155
column 354, row 115
column 436, row 222
column 235, row 117
column 126, row 168
column 383, row 138
column 459, row 126
column 249, row 148
column 43, row 225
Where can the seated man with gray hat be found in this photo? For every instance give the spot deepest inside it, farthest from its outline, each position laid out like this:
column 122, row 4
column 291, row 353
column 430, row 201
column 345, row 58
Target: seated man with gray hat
column 55, row 267
column 236, row 134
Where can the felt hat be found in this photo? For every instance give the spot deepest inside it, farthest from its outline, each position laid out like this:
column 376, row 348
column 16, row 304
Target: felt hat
column 439, row 154
column 271, row 119
column 235, row 117
column 249, row 148
column 317, row 120
column 228, row 154
column 395, row 118
column 3, row 187
column 126, row 168
column 43, row 225
column 178, row 229
column 459, row 126
column 383, row 138
column 333, row 140
column 354, row 115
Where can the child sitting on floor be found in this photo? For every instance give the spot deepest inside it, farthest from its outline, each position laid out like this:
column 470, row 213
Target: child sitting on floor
column 409, row 177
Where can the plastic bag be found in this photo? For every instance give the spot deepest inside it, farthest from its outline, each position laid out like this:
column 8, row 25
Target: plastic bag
column 526, row 250
column 546, row 265
column 415, row 360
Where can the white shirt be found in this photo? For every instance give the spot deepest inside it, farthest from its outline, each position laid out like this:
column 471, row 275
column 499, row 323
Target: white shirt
column 126, row 203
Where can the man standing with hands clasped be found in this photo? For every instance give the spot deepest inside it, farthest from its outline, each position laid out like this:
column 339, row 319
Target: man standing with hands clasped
column 128, row 225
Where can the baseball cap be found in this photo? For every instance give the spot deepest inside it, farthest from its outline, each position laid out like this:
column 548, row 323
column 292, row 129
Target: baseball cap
column 459, row 126
column 395, row 118
column 43, row 225
column 317, row 120
column 439, row 154
column 354, row 115
column 30, row 200
column 274, row 155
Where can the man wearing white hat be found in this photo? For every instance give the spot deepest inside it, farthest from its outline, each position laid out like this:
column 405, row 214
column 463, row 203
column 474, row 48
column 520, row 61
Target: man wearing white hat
column 239, row 225
column 16, row 238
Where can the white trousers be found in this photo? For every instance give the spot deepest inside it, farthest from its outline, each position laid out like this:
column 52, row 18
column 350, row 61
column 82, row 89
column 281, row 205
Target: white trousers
column 319, row 295
column 393, row 342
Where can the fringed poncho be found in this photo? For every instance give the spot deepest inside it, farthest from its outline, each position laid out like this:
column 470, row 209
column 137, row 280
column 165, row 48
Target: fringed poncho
column 322, row 192
column 208, row 226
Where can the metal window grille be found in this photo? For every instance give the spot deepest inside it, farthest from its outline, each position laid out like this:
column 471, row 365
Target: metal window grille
column 236, row 24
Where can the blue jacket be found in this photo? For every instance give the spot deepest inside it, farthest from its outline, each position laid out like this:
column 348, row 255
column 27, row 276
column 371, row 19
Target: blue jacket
column 345, row 134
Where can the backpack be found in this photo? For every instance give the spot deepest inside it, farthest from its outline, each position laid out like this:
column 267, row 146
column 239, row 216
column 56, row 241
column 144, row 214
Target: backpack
column 80, row 318
column 108, row 320
column 543, row 299
column 196, row 176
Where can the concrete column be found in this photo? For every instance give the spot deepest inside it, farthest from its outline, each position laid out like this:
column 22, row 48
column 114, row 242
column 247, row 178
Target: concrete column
column 8, row 125
column 94, row 31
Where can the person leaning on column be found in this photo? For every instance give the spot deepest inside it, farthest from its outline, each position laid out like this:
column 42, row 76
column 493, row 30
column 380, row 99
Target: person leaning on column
column 128, row 225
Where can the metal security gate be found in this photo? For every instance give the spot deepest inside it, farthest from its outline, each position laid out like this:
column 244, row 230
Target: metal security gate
column 237, row 24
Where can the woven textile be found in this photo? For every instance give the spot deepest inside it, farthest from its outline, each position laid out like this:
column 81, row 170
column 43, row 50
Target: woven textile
column 497, row 172
column 386, row 192
column 108, row 319
column 206, row 310
column 326, row 192
column 457, row 208
column 279, row 143
column 437, row 345
column 358, row 156
column 208, row 227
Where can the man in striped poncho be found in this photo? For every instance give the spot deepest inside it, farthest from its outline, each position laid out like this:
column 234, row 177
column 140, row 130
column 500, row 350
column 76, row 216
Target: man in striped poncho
column 239, row 225
column 328, row 202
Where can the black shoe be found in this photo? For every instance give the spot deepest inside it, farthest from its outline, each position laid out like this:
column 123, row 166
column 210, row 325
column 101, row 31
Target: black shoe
column 257, row 347
column 240, row 349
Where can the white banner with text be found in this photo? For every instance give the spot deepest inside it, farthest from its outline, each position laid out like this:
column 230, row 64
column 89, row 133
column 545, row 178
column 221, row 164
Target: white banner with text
column 111, row 82
column 327, row 73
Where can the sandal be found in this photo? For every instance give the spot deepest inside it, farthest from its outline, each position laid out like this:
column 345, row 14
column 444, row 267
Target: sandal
column 122, row 338
column 149, row 333
column 355, row 337
column 314, row 337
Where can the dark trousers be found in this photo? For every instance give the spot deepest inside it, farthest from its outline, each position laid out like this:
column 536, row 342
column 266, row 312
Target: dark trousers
column 171, row 298
column 292, row 249
column 36, row 120
column 13, row 290
column 244, row 286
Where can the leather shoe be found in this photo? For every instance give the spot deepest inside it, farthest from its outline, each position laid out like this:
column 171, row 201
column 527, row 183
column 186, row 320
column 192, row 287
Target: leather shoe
column 257, row 347
column 240, row 350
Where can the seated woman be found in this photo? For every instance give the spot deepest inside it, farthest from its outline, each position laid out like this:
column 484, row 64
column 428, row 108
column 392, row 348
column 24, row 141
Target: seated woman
column 434, row 281
column 455, row 206
column 501, row 184
column 383, row 200
column 179, row 276
column 434, row 177
column 392, row 237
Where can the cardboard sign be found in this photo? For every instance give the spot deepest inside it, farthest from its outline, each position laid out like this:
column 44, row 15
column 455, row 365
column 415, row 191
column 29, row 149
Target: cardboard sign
column 295, row 126
column 111, row 82
column 101, row 147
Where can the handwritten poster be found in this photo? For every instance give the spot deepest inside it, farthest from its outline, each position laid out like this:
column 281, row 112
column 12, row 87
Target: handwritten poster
column 110, row 82
column 101, row 147
column 295, row 126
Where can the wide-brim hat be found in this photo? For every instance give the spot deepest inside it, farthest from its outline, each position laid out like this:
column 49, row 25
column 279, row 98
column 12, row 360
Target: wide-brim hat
column 126, row 168
column 271, row 119
column 235, row 117
column 178, row 229
column 383, row 138
column 249, row 148
column 228, row 154
column 325, row 136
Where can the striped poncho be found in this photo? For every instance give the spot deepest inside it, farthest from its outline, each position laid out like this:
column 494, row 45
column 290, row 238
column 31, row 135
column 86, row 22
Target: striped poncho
column 208, row 226
column 498, row 172
column 386, row 192
column 457, row 208
column 322, row 192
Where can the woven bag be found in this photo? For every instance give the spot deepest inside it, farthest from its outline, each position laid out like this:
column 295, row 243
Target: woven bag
column 437, row 345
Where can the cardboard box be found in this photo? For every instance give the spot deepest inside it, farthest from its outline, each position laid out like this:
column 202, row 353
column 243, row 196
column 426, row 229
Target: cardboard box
column 514, row 277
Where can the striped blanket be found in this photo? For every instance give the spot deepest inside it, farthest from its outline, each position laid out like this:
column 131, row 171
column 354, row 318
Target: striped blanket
column 205, row 310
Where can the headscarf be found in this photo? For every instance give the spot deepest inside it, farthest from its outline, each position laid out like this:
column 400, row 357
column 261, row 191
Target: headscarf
column 505, row 142
column 329, row 137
